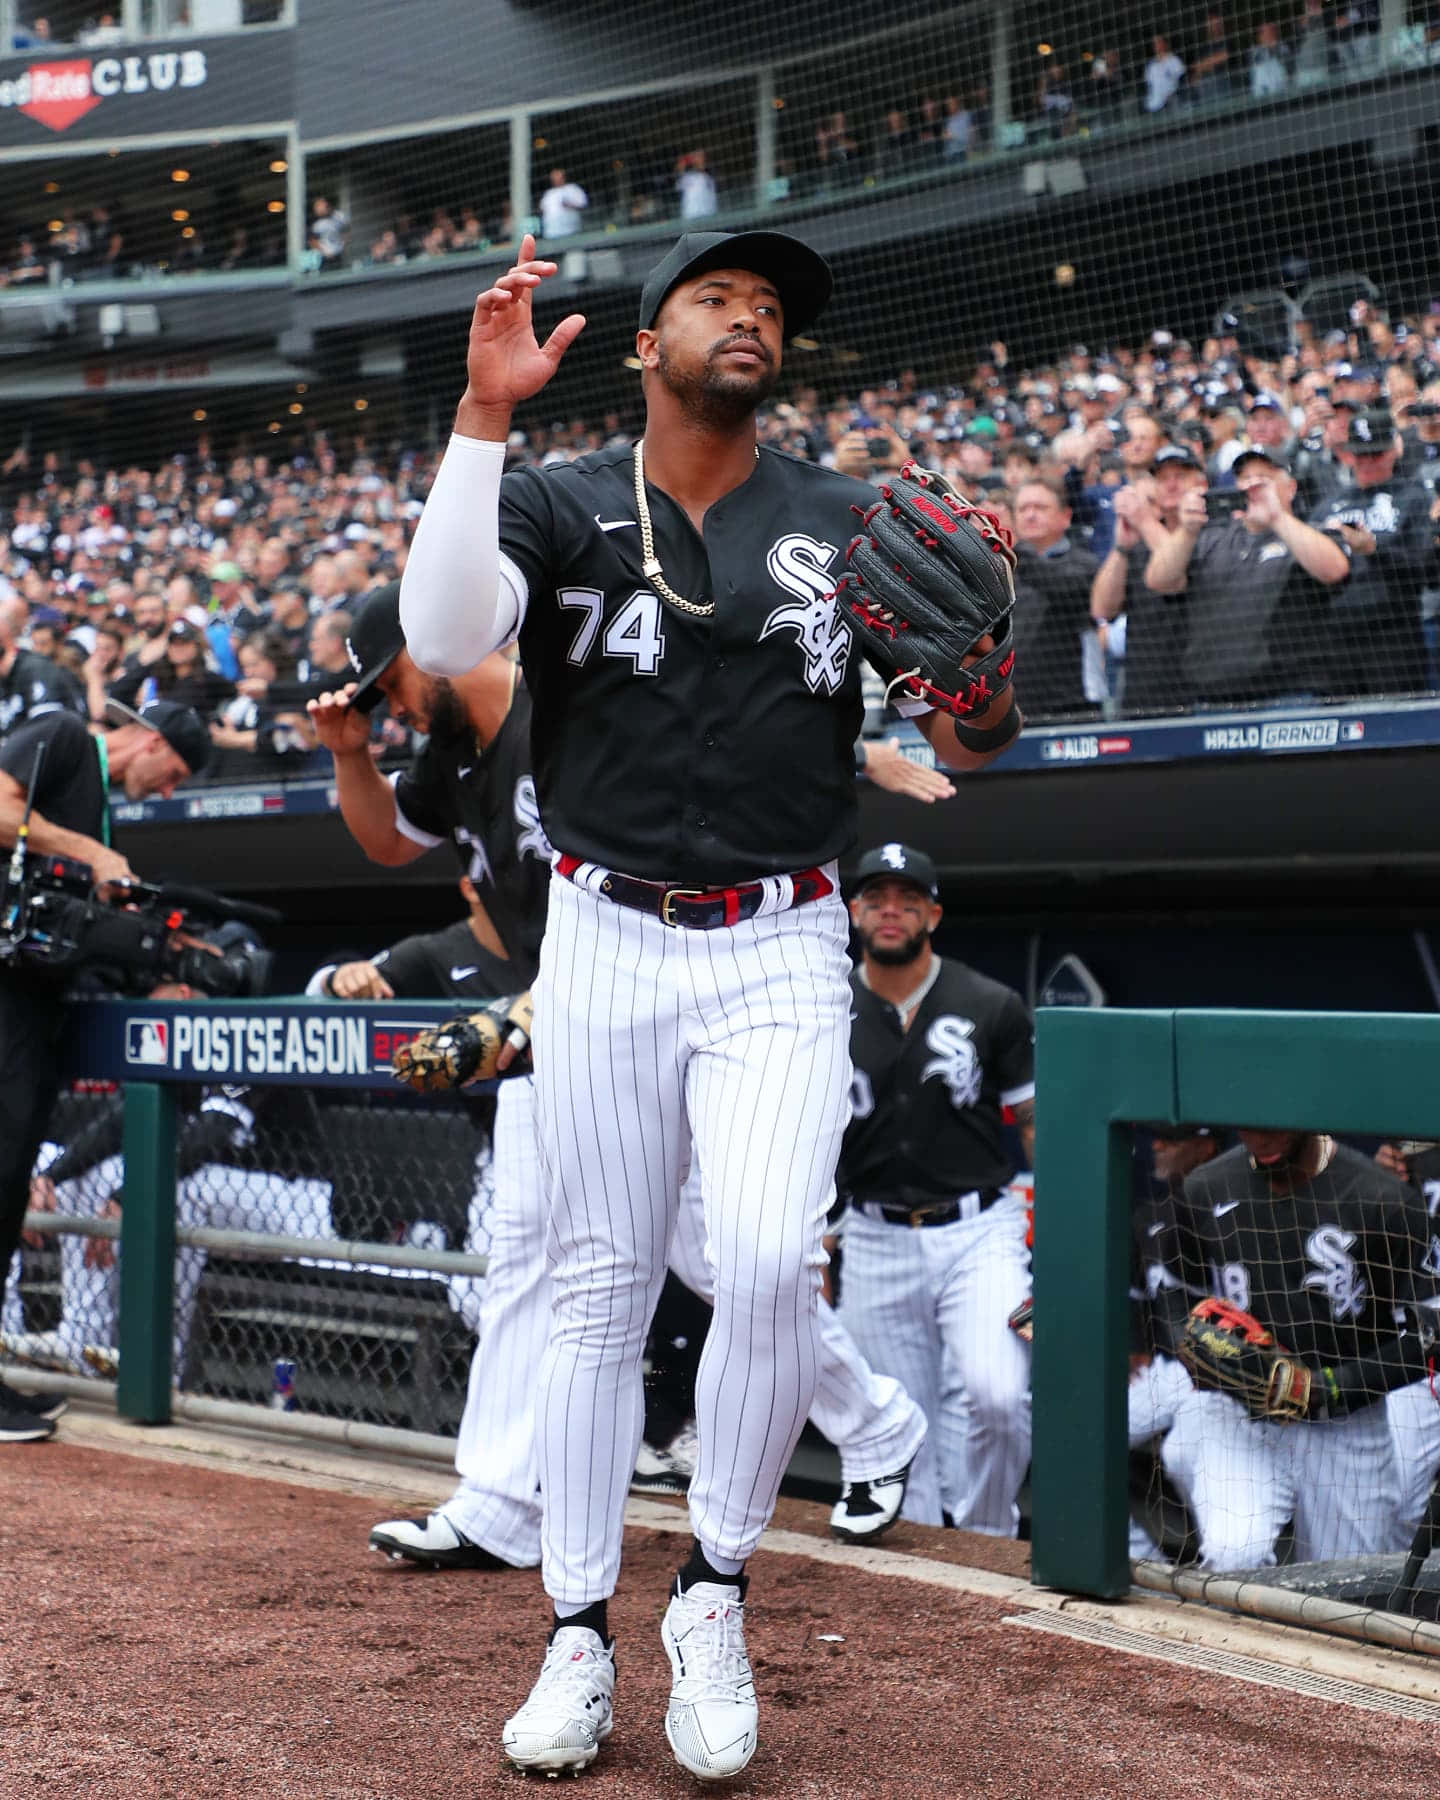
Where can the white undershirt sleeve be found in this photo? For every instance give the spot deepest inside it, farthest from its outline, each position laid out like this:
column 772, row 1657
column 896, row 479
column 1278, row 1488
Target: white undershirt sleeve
column 460, row 599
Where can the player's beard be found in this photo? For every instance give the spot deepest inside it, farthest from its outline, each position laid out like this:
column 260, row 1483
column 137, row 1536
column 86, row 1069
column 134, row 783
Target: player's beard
column 713, row 398
column 895, row 956
column 447, row 715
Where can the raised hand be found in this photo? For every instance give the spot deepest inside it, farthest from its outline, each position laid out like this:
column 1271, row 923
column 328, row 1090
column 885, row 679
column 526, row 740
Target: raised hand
column 341, row 729
column 504, row 361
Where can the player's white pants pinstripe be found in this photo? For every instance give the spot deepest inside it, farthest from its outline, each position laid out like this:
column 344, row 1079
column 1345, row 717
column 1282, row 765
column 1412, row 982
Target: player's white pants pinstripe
column 1414, row 1414
column 647, row 1037
column 1244, row 1477
column 929, row 1305
column 496, row 1504
column 870, row 1419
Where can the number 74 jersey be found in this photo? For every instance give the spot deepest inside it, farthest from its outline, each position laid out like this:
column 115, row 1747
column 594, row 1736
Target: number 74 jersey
column 697, row 747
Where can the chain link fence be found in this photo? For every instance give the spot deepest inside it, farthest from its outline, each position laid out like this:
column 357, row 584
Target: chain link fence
column 374, row 1324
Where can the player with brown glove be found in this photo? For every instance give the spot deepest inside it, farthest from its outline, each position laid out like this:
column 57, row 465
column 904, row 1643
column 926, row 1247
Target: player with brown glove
column 1230, row 1352
column 479, row 1046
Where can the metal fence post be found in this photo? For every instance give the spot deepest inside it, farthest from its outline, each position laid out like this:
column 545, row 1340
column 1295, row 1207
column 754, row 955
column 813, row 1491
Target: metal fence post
column 1092, row 1069
column 147, row 1255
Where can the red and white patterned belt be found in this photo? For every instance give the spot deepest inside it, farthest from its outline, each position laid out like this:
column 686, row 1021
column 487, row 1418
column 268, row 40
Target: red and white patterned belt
column 702, row 908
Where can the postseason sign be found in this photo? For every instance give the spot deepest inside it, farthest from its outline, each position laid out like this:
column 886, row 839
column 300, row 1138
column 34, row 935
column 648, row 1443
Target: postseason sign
column 311, row 1043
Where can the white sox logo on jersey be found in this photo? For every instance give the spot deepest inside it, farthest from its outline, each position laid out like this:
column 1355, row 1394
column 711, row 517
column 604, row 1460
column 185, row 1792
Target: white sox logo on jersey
column 1338, row 1278
column 532, row 840
column 954, row 1058
column 479, row 868
column 800, row 565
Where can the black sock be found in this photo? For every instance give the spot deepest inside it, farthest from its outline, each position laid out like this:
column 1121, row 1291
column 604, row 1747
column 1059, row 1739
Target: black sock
column 592, row 1618
column 698, row 1568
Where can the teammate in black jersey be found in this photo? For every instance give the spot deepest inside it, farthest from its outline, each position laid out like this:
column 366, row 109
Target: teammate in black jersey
column 935, row 1252
column 453, row 963
column 1334, row 1256
column 696, row 704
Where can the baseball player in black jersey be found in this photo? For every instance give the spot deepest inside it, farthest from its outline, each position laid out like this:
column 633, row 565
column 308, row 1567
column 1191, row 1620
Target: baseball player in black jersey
column 869, row 1418
column 935, row 1257
column 696, row 702
column 247, row 1159
column 1414, row 1411
column 471, row 783
column 1333, row 1256
column 454, row 963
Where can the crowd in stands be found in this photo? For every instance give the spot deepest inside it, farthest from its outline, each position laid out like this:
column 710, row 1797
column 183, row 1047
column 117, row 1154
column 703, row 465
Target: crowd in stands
column 1198, row 525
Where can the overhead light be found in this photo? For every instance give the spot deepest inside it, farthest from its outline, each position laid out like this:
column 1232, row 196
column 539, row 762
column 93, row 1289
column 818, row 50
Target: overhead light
column 778, row 104
column 631, row 362
column 279, row 166
column 302, row 387
column 275, row 206
column 805, row 343
column 52, row 187
column 542, row 143
column 199, row 415
column 1064, row 275
column 273, row 427
column 1044, row 50
column 188, row 232
column 54, row 224
column 294, row 408
column 362, row 405
column 179, row 215
column 179, row 174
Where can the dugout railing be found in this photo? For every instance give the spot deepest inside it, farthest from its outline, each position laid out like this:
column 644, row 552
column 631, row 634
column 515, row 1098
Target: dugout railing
column 1101, row 1074
column 160, row 1054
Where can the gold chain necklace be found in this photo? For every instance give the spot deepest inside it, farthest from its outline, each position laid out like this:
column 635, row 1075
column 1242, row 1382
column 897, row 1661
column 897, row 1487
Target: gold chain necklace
column 651, row 569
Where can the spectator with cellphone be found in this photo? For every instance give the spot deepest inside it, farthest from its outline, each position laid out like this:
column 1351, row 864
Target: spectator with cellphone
column 1257, row 587
column 1155, row 624
column 1373, row 638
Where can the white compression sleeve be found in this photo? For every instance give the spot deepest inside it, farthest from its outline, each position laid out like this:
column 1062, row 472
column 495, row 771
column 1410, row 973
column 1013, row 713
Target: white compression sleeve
column 457, row 601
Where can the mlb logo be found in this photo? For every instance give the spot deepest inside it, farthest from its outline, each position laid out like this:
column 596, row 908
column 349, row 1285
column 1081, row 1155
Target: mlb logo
column 147, row 1042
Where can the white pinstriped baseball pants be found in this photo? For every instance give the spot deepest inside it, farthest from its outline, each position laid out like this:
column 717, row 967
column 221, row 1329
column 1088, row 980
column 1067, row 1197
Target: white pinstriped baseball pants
column 648, row 1039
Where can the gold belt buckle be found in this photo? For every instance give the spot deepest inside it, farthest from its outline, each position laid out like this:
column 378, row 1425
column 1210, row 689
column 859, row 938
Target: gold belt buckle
column 668, row 899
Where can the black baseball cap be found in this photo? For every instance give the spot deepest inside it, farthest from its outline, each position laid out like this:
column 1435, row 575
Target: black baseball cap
column 896, row 862
column 181, row 727
column 375, row 639
column 1176, row 453
column 801, row 275
column 1253, row 451
column 1370, row 433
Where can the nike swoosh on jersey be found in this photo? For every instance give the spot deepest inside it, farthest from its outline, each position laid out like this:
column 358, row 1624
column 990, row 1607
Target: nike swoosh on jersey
column 1228, row 1206
column 613, row 524
column 460, row 774
column 469, row 969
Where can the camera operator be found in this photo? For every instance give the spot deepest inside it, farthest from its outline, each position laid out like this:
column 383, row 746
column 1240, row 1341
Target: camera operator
column 1257, row 588
column 69, row 817
column 1373, row 638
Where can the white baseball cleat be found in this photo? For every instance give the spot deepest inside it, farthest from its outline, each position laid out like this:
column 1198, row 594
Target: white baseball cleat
column 866, row 1510
column 712, row 1720
column 561, row 1727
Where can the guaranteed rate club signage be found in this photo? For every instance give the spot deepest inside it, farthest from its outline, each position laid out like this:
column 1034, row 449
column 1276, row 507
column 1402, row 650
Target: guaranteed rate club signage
column 145, row 89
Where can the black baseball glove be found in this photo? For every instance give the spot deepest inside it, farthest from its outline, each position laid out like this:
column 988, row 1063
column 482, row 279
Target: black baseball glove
column 926, row 579
column 467, row 1049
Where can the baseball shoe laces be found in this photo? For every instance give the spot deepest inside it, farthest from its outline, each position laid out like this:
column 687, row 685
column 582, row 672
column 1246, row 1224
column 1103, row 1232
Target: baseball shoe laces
column 712, row 1719
column 568, row 1714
